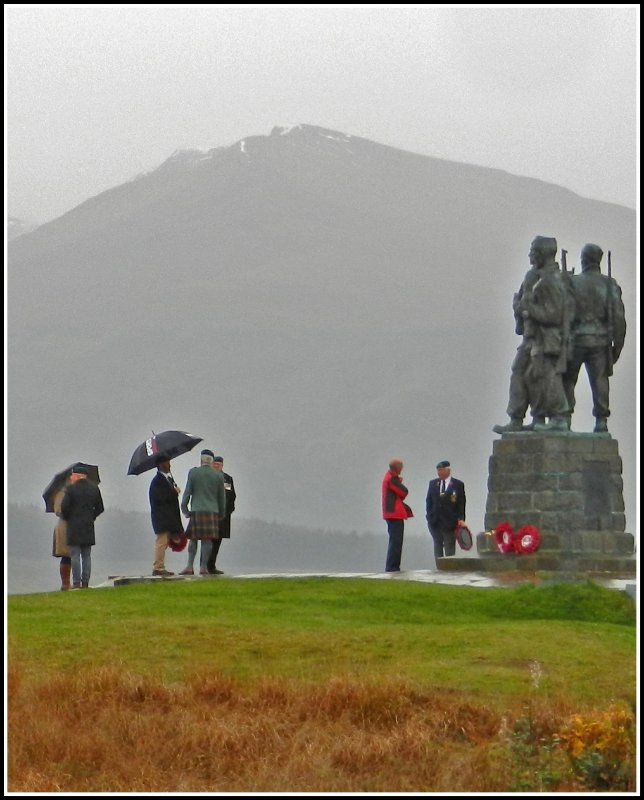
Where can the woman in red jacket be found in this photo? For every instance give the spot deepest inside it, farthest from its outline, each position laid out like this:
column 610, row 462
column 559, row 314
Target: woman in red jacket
column 394, row 512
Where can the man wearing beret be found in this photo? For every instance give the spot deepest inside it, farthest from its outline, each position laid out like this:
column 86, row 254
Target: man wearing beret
column 445, row 510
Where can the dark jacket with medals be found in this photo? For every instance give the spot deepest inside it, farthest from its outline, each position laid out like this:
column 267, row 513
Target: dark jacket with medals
column 444, row 510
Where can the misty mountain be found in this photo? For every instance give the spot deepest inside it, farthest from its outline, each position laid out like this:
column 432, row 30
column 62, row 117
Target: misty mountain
column 16, row 227
column 125, row 542
column 310, row 303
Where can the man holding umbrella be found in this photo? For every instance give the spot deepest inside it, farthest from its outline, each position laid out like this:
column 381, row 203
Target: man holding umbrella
column 165, row 513
column 206, row 494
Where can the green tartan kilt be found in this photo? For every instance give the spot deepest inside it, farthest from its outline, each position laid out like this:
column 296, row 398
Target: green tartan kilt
column 203, row 525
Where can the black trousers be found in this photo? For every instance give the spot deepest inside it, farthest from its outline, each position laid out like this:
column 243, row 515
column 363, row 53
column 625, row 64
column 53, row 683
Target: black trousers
column 212, row 560
column 396, row 530
column 444, row 540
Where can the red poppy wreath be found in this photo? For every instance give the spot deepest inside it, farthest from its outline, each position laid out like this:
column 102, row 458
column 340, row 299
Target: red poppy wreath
column 527, row 539
column 504, row 537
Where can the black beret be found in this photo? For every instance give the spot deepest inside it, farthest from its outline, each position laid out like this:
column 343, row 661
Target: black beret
column 207, row 453
column 442, row 464
column 79, row 469
column 218, row 459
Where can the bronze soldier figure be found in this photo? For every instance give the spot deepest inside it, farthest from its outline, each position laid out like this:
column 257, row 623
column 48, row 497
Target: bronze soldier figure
column 598, row 331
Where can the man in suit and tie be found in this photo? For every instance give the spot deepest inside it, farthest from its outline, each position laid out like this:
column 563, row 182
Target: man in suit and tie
column 445, row 510
column 165, row 512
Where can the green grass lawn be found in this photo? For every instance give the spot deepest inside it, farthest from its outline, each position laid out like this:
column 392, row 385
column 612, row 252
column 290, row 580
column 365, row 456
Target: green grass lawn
column 576, row 641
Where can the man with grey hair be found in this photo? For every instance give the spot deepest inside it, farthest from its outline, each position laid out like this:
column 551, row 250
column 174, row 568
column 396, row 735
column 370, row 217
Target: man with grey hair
column 445, row 510
column 598, row 332
column 204, row 503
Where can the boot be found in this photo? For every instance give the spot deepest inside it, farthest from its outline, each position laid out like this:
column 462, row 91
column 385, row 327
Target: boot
column 514, row 426
column 559, row 424
column 537, row 422
column 554, row 424
column 65, row 577
column 601, row 425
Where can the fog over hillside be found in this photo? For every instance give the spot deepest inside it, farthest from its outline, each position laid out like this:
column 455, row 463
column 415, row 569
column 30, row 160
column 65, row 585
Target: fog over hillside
column 311, row 304
column 125, row 542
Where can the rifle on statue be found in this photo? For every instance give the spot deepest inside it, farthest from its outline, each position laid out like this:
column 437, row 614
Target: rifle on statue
column 568, row 313
column 609, row 318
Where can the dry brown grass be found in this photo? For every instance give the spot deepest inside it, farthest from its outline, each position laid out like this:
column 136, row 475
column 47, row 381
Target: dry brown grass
column 102, row 730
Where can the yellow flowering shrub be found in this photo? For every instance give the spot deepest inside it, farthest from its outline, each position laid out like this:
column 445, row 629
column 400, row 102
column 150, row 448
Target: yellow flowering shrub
column 601, row 748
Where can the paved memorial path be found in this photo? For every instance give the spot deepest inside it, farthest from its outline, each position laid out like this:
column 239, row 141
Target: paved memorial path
column 420, row 576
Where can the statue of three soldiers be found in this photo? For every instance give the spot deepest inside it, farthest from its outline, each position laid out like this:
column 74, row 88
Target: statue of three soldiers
column 565, row 320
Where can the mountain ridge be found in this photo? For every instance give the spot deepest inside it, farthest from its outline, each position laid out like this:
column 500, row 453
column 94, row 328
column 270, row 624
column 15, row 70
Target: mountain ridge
column 299, row 306
column 180, row 160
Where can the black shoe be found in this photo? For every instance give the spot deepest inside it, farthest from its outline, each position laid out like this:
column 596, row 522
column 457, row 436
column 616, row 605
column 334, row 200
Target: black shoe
column 215, row 571
column 162, row 572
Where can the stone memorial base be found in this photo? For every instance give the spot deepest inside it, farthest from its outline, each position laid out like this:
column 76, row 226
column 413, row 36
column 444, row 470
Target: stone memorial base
column 567, row 485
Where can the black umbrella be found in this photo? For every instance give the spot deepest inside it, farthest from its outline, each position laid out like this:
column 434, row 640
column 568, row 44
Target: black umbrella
column 58, row 481
column 161, row 446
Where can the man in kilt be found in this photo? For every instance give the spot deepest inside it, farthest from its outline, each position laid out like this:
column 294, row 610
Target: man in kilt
column 206, row 495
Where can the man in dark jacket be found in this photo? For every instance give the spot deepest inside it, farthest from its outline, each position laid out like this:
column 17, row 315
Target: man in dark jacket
column 224, row 525
column 165, row 513
column 80, row 506
column 445, row 510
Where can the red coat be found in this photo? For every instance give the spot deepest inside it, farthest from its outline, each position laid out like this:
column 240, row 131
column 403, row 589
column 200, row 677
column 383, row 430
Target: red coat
column 393, row 494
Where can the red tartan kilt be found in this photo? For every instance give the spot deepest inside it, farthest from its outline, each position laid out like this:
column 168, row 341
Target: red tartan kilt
column 203, row 525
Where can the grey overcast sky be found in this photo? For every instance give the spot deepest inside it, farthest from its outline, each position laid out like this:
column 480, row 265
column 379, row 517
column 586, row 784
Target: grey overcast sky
column 95, row 95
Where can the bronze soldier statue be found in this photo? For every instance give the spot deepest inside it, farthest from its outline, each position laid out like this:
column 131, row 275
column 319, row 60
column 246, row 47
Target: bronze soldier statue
column 543, row 308
column 598, row 332
column 519, row 399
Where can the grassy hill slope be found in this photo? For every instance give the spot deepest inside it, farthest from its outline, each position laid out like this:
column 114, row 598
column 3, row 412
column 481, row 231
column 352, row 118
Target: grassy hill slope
column 321, row 685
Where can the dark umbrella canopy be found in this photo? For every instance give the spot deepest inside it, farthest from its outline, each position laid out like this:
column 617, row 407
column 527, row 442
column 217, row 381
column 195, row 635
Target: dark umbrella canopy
column 161, row 446
column 58, row 481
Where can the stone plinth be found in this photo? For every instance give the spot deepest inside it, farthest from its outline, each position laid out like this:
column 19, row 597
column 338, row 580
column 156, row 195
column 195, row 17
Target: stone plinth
column 569, row 486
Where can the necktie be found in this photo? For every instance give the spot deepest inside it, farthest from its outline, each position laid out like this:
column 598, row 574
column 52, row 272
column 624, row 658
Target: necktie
column 442, row 487
column 171, row 479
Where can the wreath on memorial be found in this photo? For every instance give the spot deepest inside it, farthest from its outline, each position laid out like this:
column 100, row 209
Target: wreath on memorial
column 504, row 537
column 525, row 540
